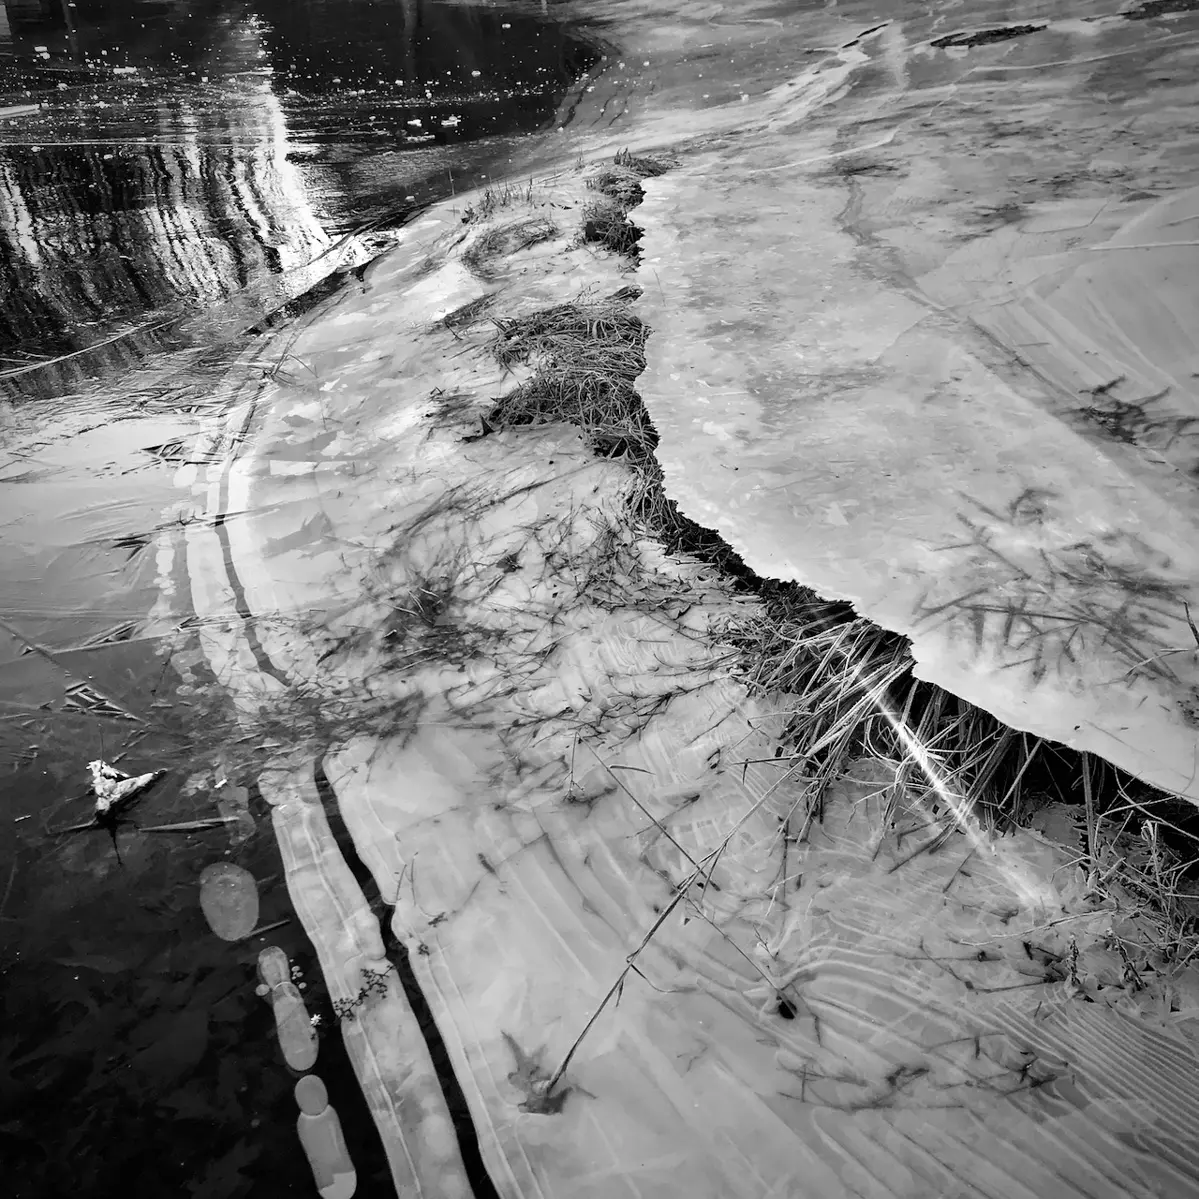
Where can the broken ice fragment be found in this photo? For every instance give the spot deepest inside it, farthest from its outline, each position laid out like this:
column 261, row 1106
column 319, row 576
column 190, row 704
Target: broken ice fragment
column 82, row 697
column 297, row 1036
column 113, row 788
column 295, row 1029
column 320, row 1133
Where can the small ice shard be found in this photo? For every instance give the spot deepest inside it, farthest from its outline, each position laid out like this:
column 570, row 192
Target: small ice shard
column 229, row 900
column 113, row 788
column 319, row 1129
column 187, row 826
column 297, row 1036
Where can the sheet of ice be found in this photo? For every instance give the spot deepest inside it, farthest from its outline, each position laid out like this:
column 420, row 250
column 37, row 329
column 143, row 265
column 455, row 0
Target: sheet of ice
column 530, row 771
column 888, row 317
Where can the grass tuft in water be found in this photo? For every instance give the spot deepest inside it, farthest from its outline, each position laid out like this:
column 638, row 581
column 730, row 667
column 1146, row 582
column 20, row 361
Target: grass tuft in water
column 605, row 221
column 585, row 357
column 495, row 198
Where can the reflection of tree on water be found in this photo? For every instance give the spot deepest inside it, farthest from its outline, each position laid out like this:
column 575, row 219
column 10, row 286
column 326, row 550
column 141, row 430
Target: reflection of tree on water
column 99, row 237
column 138, row 201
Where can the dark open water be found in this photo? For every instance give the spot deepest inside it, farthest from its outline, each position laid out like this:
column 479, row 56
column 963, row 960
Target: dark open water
column 190, row 168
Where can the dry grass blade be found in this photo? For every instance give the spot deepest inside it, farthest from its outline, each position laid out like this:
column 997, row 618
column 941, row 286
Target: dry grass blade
column 53, row 360
column 703, row 869
column 630, row 961
column 470, row 313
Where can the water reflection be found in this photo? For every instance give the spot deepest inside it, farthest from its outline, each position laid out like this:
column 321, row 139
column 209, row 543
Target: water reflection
column 188, row 154
column 94, row 238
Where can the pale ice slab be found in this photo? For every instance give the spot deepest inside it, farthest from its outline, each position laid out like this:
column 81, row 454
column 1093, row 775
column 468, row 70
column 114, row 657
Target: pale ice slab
column 924, row 340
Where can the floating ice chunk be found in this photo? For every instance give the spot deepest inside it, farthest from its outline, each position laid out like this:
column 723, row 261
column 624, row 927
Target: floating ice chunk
column 113, row 788
column 294, row 1027
column 320, row 1133
column 229, row 900
column 273, row 968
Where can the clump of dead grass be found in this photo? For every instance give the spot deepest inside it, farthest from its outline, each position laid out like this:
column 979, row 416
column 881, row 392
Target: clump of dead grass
column 605, row 221
column 607, row 225
column 621, row 181
column 856, row 696
column 495, row 198
column 485, row 253
column 850, row 690
column 584, row 356
column 470, row 313
column 306, row 717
